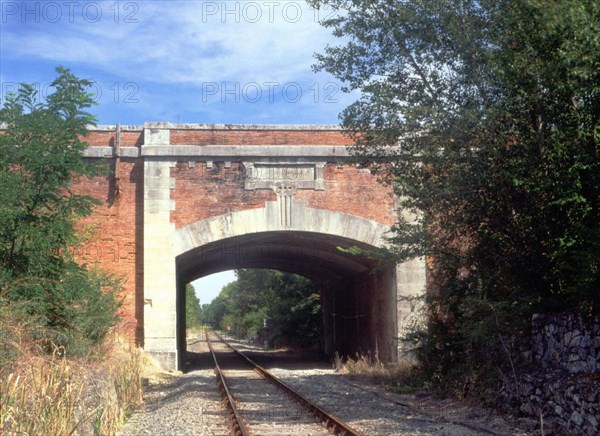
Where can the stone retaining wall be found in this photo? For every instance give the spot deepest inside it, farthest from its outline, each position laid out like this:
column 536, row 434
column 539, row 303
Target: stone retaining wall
column 566, row 341
column 562, row 401
column 564, row 395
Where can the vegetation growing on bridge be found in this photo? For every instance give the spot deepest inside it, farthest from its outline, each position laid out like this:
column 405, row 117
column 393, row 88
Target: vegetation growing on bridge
column 497, row 108
column 279, row 307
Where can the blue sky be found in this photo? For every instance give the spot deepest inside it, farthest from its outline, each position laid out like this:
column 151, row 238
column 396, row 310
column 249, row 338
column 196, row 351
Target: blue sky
column 178, row 61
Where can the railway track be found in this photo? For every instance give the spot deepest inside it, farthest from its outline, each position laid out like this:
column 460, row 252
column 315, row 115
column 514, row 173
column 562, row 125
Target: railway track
column 189, row 404
column 260, row 404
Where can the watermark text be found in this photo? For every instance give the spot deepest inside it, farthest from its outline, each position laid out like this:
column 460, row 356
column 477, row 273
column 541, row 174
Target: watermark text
column 116, row 92
column 269, row 92
column 68, row 11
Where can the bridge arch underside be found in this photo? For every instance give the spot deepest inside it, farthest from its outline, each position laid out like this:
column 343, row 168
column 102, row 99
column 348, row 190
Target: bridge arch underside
column 358, row 295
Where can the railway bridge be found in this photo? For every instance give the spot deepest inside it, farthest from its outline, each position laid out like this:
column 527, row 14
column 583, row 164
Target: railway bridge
column 182, row 201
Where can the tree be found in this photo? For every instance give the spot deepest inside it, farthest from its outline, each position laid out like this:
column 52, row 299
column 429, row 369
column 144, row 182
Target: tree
column 294, row 314
column 213, row 312
column 193, row 311
column 41, row 150
column 290, row 303
column 493, row 108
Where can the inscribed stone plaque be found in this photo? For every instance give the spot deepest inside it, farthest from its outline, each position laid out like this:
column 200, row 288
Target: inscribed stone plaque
column 262, row 175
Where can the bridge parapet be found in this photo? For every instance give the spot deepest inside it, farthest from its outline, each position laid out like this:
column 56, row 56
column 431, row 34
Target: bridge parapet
column 219, row 141
column 246, row 134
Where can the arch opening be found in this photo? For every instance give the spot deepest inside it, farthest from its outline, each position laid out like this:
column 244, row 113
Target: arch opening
column 363, row 302
column 267, row 307
column 358, row 293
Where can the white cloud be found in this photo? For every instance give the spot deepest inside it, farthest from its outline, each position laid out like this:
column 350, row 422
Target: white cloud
column 178, row 48
column 180, row 42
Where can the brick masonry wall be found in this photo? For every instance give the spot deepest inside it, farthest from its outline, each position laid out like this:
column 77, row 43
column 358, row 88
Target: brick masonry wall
column 114, row 242
column 201, row 192
column 350, row 189
column 258, row 137
column 106, row 138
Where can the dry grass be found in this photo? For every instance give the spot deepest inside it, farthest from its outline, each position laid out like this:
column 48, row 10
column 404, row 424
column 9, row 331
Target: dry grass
column 43, row 397
column 50, row 394
column 116, row 388
column 401, row 376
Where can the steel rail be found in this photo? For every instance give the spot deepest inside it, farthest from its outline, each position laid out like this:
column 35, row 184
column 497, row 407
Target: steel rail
column 238, row 426
column 327, row 420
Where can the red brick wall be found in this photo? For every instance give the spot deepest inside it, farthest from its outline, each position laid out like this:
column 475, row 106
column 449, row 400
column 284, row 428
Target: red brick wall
column 106, row 138
column 354, row 191
column 114, row 244
column 101, row 138
column 202, row 192
column 259, row 137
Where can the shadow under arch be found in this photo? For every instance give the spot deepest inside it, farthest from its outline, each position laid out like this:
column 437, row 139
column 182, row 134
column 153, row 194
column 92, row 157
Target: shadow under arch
column 314, row 255
column 358, row 294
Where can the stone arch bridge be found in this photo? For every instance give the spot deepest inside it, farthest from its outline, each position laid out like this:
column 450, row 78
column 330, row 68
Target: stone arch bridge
column 183, row 201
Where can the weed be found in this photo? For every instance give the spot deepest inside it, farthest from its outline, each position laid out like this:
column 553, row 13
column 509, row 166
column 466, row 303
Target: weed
column 44, row 393
column 402, row 376
column 337, row 362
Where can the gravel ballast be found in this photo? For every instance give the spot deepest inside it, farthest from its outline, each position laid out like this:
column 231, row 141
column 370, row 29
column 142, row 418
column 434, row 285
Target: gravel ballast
column 189, row 404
